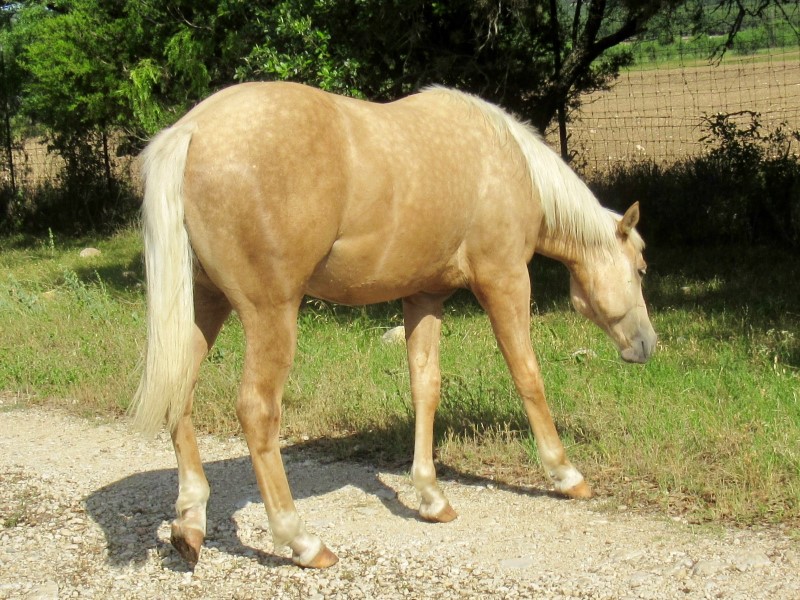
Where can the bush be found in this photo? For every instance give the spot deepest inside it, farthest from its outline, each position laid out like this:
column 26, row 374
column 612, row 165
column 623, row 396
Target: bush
column 745, row 189
column 87, row 196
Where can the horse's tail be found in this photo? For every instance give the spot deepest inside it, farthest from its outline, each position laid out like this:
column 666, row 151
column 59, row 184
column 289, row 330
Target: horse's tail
column 167, row 370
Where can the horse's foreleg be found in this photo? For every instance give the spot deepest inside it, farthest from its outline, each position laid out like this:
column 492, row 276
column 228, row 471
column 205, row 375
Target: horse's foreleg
column 271, row 338
column 189, row 527
column 506, row 298
column 423, row 324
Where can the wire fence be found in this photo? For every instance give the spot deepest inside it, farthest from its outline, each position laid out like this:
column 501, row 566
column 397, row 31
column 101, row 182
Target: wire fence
column 33, row 166
column 655, row 112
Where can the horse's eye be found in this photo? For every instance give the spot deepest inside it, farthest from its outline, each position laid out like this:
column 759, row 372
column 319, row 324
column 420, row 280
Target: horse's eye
column 642, row 272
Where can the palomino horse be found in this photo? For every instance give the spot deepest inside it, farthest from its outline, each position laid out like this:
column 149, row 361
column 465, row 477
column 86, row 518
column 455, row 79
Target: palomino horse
column 266, row 192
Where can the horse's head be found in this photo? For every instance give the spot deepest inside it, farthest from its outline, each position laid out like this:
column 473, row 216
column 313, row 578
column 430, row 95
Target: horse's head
column 607, row 289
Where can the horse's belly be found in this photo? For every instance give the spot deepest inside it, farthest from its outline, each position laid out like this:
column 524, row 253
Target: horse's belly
column 356, row 274
column 357, row 294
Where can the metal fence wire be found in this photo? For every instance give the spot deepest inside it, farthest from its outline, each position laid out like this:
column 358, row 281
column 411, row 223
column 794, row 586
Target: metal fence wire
column 654, row 112
column 33, row 165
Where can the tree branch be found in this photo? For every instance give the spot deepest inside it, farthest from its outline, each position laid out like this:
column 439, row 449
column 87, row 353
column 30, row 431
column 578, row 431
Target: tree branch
column 594, row 19
column 576, row 21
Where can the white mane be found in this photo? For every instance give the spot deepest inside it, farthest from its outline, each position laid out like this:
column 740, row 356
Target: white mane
column 571, row 211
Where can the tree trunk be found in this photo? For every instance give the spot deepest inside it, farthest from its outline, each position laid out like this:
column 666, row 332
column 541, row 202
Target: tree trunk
column 555, row 35
column 9, row 145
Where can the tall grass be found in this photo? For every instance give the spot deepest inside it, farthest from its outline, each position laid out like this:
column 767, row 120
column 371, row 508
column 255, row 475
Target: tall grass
column 709, row 429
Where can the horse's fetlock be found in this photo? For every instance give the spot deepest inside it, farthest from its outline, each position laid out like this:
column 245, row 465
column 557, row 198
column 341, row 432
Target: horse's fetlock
column 565, row 477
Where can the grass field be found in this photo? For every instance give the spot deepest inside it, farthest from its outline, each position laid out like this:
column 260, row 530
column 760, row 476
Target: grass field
column 708, row 430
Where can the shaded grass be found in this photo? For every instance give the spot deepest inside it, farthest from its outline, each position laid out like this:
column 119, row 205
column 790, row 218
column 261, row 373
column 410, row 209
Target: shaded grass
column 709, row 429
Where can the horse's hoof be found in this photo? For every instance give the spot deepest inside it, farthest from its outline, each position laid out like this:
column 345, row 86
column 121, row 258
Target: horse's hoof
column 582, row 491
column 445, row 515
column 187, row 541
column 324, row 559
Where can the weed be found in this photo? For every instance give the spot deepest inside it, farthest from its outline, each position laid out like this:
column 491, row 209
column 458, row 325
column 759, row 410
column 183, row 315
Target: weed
column 19, row 295
column 18, row 503
column 51, row 242
column 16, row 516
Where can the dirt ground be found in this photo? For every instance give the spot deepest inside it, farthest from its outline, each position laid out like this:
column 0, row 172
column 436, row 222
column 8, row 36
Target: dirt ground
column 85, row 507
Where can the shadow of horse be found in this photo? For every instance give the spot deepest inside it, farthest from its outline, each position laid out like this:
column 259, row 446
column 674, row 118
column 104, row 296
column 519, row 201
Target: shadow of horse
column 132, row 510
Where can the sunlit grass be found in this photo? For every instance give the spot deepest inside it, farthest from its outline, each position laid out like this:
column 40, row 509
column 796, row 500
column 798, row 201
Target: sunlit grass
column 709, row 428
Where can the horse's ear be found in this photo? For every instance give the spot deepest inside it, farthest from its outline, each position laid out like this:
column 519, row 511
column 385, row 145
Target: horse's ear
column 629, row 220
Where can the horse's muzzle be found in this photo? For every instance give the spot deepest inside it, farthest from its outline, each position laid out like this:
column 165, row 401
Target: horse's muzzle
column 642, row 347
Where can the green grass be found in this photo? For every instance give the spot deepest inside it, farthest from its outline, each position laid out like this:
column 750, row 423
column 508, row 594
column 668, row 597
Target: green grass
column 709, row 429
column 703, row 50
column 69, row 327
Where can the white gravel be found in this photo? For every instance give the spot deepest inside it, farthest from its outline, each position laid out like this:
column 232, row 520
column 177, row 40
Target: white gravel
column 85, row 510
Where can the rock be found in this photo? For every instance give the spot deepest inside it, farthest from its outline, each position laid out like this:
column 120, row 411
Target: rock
column 385, row 493
column 45, row 591
column 707, row 568
column 639, row 578
column 626, row 555
column 90, row 253
column 745, row 561
column 523, row 562
column 396, row 335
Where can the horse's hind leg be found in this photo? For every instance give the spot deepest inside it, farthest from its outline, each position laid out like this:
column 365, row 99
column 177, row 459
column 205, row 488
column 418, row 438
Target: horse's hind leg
column 505, row 295
column 189, row 528
column 423, row 323
column 271, row 334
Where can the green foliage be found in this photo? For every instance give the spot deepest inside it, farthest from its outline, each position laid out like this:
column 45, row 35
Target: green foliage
column 139, row 90
column 144, row 64
column 297, row 46
column 699, row 31
column 72, row 57
column 11, row 80
column 73, row 63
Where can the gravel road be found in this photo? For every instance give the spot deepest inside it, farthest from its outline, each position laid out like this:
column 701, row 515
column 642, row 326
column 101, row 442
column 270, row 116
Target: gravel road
column 85, row 509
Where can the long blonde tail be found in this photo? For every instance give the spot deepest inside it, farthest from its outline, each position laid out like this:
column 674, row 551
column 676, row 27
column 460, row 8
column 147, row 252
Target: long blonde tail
column 164, row 388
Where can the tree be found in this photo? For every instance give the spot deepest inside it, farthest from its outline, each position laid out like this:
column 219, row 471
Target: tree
column 533, row 56
column 10, row 85
column 72, row 56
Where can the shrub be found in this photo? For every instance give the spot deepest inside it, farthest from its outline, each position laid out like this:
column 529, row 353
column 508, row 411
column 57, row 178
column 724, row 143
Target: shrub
column 89, row 195
column 744, row 189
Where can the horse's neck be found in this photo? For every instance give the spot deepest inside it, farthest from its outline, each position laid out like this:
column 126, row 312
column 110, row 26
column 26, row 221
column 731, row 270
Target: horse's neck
column 558, row 248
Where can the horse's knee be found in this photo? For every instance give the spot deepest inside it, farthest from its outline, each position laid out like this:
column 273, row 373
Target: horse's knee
column 258, row 408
